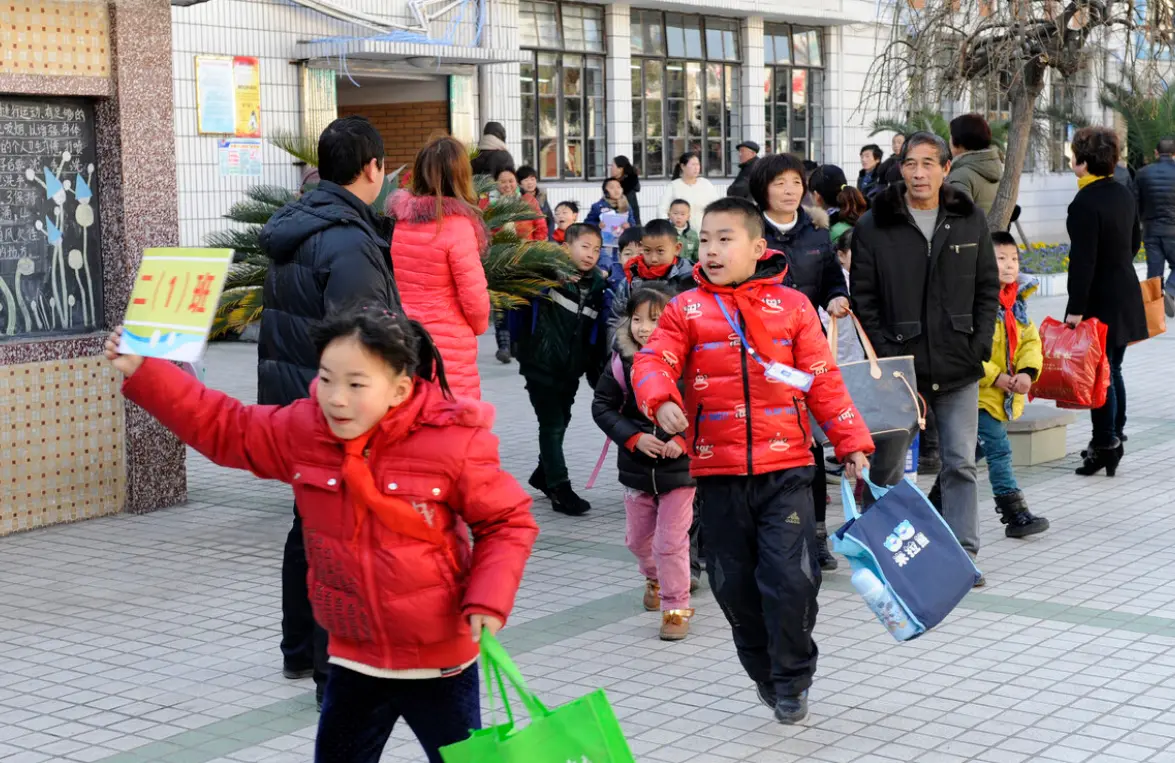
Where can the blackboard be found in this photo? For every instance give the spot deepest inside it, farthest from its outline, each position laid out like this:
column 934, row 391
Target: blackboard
column 50, row 258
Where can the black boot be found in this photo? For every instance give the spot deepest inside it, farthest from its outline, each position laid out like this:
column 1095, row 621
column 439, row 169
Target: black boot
column 823, row 555
column 1014, row 513
column 1095, row 458
column 935, row 496
column 538, row 480
column 565, row 501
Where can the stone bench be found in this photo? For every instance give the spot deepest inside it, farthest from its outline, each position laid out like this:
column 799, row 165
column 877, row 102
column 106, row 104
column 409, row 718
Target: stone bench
column 1039, row 435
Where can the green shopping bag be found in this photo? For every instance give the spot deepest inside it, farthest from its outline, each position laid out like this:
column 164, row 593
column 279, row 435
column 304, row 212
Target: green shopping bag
column 582, row 731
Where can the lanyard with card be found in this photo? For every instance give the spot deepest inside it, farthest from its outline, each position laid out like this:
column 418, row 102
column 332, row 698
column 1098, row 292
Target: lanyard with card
column 775, row 371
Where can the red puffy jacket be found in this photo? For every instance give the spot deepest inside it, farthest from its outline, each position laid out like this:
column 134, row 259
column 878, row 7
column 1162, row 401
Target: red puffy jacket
column 387, row 600
column 741, row 422
column 442, row 280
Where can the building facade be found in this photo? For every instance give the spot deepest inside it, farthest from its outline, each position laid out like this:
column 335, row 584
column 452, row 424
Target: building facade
column 574, row 83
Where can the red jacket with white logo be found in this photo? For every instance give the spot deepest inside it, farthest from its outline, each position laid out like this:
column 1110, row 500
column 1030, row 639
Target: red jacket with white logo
column 387, row 600
column 741, row 422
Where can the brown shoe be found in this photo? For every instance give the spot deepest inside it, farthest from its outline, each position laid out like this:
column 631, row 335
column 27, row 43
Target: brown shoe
column 675, row 624
column 652, row 596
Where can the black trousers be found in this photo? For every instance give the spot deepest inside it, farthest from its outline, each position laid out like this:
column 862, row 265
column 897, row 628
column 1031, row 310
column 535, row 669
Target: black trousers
column 359, row 712
column 303, row 641
column 819, row 485
column 552, row 407
column 761, row 558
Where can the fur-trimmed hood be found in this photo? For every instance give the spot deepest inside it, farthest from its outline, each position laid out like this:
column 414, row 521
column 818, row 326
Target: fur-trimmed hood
column 625, row 344
column 404, row 207
column 819, row 215
column 889, row 207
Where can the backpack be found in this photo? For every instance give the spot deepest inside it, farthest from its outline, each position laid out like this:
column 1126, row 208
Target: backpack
column 618, row 375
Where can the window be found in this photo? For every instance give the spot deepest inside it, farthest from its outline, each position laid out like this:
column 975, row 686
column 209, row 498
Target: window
column 794, row 90
column 1067, row 98
column 685, row 92
column 563, row 128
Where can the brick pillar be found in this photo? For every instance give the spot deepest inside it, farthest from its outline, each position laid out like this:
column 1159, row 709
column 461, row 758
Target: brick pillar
column 136, row 163
column 619, row 80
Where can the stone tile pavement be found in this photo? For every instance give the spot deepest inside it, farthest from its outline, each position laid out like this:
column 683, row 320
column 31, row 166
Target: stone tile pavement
column 137, row 639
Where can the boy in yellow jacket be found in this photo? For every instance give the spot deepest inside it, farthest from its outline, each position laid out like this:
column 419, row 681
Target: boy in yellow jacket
column 1014, row 365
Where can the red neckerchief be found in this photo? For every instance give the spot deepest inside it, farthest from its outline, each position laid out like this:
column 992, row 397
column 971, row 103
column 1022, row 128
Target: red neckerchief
column 394, row 513
column 559, row 236
column 637, row 267
column 1008, row 294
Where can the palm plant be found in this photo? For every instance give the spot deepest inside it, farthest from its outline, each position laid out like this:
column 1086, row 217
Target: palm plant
column 928, row 120
column 1149, row 114
column 516, row 270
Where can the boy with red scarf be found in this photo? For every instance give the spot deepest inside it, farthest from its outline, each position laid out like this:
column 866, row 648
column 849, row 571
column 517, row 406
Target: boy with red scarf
column 660, row 263
column 754, row 359
column 1016, row 358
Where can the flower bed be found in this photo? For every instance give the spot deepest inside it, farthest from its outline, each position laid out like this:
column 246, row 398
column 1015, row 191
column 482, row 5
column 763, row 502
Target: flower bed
column 1045, row 259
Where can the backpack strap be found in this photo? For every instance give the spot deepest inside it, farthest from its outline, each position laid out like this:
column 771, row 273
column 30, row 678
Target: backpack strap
column 622, row 380
column 618, row 373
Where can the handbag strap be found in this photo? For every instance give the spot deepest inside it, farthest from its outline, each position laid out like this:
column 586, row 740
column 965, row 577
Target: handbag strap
column 496, row 656
column 870, row 353
column 849, row 501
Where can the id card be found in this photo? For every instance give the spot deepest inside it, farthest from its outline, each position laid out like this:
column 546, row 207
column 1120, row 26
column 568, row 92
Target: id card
column 788, row 375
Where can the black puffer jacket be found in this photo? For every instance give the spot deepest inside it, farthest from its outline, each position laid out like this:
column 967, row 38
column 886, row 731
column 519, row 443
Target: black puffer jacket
column 614, row 411
column 811, row 258
column 1154, row 188
column 326, row 250
column 934, row 300
column 742, row 183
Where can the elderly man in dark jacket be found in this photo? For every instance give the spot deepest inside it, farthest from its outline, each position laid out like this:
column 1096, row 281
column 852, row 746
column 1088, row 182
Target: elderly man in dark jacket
column 748, row 155
column 326, row 250
column 924, row 282
column 1155, row 192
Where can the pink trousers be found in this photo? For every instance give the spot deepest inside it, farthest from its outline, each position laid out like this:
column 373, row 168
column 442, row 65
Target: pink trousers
column 657, row 533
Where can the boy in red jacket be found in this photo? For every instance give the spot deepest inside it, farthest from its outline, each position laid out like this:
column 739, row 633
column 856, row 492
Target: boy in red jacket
column 754, row 359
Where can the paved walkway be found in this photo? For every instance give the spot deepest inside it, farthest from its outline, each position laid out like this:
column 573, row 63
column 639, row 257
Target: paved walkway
column 152, row 639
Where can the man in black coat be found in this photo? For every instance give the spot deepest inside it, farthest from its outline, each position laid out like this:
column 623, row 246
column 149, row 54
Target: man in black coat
column 325, row 250
column 924, row 282
column 748, row 156
column 1154, row 189
column 492, row 154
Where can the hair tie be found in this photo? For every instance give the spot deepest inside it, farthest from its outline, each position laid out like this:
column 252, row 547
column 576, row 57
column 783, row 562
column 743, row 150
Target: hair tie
column 844, row 186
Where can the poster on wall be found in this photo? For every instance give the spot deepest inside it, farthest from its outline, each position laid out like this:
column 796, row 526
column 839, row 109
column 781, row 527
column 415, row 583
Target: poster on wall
column 50, row 258
column 239, row 157
column 461, row 118
column 228, row 96
column 247, row 96
column 173, row 303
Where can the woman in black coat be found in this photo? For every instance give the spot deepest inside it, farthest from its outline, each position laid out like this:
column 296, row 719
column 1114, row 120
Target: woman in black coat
column 623, row 171
column 1104, row 235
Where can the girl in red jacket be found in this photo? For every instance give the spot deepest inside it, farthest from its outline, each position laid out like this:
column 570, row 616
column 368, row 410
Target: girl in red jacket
column 436, row 252
column 390, row 474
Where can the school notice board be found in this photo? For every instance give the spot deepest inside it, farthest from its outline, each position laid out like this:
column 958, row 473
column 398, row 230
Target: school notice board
column 173, row 303
column 228, row 96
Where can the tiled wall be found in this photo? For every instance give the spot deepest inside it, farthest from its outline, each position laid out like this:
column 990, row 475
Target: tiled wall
column 55, row 37
column 62, row 433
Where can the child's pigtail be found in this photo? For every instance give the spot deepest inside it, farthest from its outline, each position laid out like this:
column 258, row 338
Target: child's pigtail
column 429, row 364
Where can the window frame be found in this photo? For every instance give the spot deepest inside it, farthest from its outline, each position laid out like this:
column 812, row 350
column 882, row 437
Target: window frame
column 728, row 89
column 816, row 80
column 532, row 142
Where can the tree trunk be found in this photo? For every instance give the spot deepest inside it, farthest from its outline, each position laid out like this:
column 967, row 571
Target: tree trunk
column 1023, row 100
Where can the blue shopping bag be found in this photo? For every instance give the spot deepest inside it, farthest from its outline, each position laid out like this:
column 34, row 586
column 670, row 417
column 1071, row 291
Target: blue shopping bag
column 910, row 548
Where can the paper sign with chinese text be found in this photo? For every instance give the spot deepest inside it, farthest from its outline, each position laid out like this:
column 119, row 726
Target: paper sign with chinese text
column 173, row 302
column 247, row 96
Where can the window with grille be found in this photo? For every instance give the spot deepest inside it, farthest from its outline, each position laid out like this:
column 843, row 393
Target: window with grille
column 563, row 128
column 685, row 92
column 794, row 90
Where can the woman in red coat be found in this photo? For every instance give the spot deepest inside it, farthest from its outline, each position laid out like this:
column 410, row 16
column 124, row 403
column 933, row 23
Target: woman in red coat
column 437, row 246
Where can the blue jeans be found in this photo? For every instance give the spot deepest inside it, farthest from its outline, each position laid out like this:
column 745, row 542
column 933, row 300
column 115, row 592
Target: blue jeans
column 1160, row 251
column 1109, row 421
column 995, row 447
column 358, row 713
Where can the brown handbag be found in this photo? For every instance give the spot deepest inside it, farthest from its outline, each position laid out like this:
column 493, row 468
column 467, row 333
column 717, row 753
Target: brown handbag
column 1152, row 301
